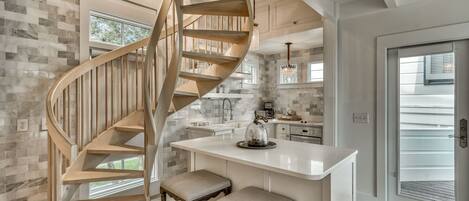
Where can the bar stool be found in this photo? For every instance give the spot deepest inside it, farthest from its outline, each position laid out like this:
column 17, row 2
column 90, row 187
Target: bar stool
column 199, row 185
column 254, row 194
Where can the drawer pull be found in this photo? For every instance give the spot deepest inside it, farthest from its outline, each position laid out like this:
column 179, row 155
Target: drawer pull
column 305, row 131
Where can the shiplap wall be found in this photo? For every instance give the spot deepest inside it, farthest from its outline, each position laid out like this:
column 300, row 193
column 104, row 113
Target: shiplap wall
column 426, row 120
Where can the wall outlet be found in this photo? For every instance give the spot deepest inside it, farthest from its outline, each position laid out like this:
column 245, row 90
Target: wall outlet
column 22, row 125
column 361, row 118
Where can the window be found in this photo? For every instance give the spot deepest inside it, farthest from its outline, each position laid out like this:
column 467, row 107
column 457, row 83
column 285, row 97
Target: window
column 439, row 69
column 251, row 71
column 315, row 72
column 115, row 31
column 101, row 189
column 289, row 77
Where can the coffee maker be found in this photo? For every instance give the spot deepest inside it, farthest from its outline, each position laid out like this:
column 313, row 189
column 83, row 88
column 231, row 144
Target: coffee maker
column 269, row 110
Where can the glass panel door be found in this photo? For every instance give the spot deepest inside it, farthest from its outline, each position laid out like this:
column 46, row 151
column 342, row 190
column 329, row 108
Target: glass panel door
column 421, row 113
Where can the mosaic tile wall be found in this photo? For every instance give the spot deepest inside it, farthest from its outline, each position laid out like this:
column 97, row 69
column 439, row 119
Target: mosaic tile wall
column 39, row 41
column 306, row 99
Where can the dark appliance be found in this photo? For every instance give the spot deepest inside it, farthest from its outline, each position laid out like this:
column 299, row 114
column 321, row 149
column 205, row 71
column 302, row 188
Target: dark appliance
column 269, row 110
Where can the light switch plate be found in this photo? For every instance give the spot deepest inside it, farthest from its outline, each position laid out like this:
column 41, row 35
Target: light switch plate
column 22, row 125
column 43, row 124
column 361, row 118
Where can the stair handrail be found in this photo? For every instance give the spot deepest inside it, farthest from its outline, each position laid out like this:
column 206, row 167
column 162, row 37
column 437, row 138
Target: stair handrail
column 58, row 135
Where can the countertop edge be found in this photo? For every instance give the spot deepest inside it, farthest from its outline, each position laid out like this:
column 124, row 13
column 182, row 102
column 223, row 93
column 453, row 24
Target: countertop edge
column 266, row 167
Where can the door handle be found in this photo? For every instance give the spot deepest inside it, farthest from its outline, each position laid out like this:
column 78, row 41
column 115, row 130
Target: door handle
column 462, row 133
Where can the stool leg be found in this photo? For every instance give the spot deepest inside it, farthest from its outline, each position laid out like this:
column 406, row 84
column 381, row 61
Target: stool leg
column 163, row 194
column 227, row 191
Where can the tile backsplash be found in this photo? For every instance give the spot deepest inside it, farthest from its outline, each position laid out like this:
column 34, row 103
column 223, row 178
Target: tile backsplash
column 306, row 99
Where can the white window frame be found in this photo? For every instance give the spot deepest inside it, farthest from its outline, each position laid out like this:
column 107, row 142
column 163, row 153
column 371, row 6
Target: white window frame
column 122, row 21
column 308, row 70
column 254, row 71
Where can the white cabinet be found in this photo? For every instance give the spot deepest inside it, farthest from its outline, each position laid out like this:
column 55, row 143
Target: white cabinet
column 279, row 17
column 283, row 131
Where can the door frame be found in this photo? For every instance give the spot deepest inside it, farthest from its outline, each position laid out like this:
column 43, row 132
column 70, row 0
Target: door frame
column 459, row 31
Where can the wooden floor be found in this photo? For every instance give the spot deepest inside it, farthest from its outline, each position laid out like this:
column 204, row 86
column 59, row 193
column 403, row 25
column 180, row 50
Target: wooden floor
column 429, row 190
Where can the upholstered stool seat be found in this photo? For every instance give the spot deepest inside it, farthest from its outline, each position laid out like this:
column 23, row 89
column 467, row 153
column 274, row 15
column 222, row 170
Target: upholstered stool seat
column 254, row 194
column 195, row 186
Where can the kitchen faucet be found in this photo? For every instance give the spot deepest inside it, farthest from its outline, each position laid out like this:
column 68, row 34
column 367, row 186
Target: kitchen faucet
column 223, row 110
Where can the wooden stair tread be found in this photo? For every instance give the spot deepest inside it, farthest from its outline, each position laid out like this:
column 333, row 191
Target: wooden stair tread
column 217, row 59
column 120, row 198
column 114, row 149
column 78, row 177
column 222, row 8
column 130, row 129
column 185, row 93
column 198, row 76
column 225, row 36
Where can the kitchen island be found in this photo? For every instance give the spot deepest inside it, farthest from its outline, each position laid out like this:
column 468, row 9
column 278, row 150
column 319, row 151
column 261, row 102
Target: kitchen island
column 301, row 171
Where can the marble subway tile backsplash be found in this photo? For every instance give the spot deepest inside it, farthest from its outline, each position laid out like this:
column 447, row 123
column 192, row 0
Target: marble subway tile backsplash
column 39, row 41
column 306, row 99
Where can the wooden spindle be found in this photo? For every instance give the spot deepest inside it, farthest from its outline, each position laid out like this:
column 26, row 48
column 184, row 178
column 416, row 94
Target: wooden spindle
column 106, row 96
column 122, row 87
column 64, row 112
column 90, row 103
column 97, row 101
column 112, row 93
column 77, row 113
column 127, row 84
column 69, row 121
column 136, row 80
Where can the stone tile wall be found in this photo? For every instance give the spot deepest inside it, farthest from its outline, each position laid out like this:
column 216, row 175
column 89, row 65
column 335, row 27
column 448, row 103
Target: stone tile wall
column 304, row 98
column 39, row 40
column 174, row 161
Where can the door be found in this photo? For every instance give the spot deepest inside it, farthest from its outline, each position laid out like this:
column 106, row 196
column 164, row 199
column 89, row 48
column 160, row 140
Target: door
column 426, row 96
column 462, row 115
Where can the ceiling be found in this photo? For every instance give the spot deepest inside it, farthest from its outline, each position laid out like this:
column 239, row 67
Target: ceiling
column 353, row 8
column 301, row 40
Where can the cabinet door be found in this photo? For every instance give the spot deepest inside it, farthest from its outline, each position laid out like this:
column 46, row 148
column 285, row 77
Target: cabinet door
column 262, row 16
column 290, row 14
column 283, row 129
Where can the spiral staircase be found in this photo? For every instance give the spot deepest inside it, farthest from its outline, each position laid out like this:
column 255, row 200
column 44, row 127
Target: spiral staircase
column 94, row 110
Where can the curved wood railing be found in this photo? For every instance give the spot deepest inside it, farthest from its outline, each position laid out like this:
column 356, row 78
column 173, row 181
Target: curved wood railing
column 89, row 98
column 142, row 76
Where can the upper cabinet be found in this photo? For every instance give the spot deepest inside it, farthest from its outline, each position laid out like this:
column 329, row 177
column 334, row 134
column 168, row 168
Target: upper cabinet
column 281, row 17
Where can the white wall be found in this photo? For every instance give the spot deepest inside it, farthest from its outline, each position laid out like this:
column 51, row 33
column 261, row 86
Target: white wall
column 357, row 73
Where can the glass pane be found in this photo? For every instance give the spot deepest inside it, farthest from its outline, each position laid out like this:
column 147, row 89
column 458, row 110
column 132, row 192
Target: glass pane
column 439, row 69
column 135, row 163
column 426, row 114
column 134, row 33
column 316, row 72
column 105, row 30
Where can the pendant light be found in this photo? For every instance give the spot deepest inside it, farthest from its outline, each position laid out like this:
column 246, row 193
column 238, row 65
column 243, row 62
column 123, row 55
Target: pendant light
column 288, row 68
column 255, row 40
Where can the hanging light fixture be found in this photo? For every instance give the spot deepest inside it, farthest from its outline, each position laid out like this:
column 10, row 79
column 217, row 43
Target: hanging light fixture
column 288, row 68
column 255, row 40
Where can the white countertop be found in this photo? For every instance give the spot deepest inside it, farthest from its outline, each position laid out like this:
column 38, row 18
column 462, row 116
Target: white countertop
column 303, row 160
column 211, row 128
column 276, row 121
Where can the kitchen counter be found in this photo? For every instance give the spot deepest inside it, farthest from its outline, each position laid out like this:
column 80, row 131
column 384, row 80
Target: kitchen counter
column 303, row 160
column 301, row 171
column 314, row 124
